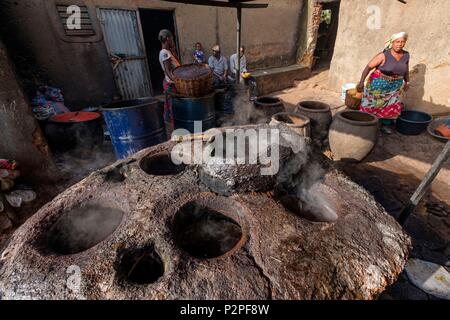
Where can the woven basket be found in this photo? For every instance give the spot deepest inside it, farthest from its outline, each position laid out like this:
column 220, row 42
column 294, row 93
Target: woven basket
column 193, row 80
column 353, row 99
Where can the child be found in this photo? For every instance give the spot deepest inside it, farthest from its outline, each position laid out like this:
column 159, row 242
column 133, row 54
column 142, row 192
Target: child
column 199, row 55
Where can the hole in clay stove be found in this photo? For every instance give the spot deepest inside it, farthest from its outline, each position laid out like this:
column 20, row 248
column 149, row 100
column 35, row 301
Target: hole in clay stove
column 316, row 203
column 141, row 266
column 160, row 165
column 82, row 228
column 205, row 233
column 314, row 213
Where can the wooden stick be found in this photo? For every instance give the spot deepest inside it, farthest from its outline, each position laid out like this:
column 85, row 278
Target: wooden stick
column 190, row 137
column 425, row 184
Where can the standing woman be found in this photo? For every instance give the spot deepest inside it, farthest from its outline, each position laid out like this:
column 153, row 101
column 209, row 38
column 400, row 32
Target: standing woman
column 383, row 92
column 169, row 61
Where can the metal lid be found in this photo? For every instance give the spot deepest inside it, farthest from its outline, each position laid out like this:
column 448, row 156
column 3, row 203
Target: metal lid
column 70, row 117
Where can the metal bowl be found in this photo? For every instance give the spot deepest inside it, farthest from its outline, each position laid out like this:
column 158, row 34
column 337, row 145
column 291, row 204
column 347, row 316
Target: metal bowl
column 436, row 123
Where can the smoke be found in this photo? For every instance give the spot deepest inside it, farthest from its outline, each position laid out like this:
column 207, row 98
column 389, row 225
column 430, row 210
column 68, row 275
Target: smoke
column 76, row 164
column 317, row 203
column 204, row 232
column 244, row 112
column 83, row 227
column 300, row 180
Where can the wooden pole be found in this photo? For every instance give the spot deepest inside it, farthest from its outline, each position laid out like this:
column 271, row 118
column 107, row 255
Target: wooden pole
column 425, row 184
column 238, row 43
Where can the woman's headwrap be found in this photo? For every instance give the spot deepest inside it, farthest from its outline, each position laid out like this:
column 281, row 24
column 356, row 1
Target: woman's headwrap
column 388, row 44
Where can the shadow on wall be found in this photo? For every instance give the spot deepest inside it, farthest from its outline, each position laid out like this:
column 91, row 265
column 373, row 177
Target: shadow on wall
column 415, row 96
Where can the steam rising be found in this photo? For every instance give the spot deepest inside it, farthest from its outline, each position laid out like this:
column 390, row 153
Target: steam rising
column 205, row 233
column 82, row 228
column 244, row 112
column 79, row 163
column 305, row 194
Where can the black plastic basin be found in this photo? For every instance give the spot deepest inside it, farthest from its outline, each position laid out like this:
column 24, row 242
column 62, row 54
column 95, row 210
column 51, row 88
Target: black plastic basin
column 413, row 122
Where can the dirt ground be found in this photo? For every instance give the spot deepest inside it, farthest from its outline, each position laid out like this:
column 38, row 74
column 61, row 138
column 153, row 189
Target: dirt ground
column 315, row 88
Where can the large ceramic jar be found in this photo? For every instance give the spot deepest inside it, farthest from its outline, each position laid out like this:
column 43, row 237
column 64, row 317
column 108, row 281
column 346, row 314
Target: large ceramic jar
column 320, row 115
column 265, row 108
column 295, row 122
column 77, row 132
column 353, row 135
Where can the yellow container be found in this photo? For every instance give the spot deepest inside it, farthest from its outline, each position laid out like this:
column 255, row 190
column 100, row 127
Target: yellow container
column 353, row 99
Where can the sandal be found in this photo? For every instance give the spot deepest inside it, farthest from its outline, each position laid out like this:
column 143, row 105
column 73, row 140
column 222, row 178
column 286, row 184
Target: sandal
column 386, row 130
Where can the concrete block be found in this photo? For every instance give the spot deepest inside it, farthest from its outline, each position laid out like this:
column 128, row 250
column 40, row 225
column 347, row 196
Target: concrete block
column 275, row 79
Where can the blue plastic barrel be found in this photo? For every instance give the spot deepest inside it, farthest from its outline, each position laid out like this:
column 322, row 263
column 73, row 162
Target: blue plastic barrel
column 188, row 110
column 134, row 125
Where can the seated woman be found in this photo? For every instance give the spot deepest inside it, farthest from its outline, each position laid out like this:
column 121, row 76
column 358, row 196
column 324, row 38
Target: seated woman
column 383, row 93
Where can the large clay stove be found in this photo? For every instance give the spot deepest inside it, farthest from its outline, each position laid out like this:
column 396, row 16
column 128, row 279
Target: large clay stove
column 145, row 228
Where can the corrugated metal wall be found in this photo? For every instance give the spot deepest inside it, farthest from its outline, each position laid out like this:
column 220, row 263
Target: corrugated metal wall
column 123, row 38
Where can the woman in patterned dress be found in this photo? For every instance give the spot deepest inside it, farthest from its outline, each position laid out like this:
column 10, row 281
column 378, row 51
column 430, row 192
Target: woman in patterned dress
column 384, row 89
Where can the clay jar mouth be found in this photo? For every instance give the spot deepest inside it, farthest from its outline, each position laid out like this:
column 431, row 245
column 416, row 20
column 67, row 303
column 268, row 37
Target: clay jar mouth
column 357, row 118
column 314, row 106
column 268, row 101
column 82, row 228
column 204, row 232
column 140, row 266
column 160, row 164
column 291, row 119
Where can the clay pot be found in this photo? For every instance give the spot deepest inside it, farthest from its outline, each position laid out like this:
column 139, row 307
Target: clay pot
column 320, row 115
column 296, row 122
column 268, row 106
column 353, row 134
column 79, row 132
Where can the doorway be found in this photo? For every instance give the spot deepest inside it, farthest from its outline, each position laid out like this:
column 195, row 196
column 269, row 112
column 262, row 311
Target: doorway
column 153, row 21
column 327, row 34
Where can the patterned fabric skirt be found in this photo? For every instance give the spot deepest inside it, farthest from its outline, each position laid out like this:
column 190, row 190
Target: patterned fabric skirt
column 383, row 96
column 168, row 89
